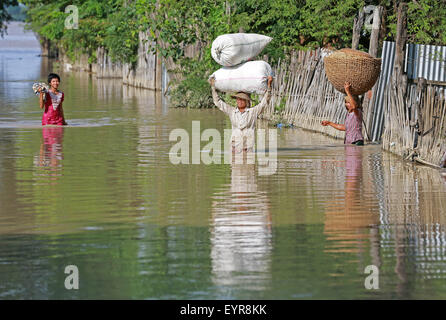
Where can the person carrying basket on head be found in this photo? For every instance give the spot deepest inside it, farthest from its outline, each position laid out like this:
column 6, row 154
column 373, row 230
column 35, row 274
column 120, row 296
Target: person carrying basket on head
column 353, row 120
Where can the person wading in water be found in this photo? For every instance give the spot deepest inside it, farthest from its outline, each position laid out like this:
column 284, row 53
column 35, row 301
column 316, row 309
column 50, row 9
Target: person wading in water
column 243, row 118
column 353, row 120
column 51, row 101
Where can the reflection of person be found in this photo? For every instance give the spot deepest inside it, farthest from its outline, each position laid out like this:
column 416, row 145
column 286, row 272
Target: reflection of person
column 347, row 220
column 51, row 147
column 353, row 120
column 241, row 232
column 243, row 118
column 51, row 101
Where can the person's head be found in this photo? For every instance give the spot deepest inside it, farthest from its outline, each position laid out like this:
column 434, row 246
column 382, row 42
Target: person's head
column 243, row 100
column 348, row 102
column 53, row 80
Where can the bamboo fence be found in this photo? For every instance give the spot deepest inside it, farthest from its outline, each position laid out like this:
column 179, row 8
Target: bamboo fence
column 415, row 122
column 415, row 115
column 303, row 96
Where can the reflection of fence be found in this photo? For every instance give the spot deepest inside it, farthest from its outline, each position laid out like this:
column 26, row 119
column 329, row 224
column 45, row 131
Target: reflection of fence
column 412, row 224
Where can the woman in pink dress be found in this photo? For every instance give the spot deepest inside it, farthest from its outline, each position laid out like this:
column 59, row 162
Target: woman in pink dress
column 51, row 102
column 353, row 120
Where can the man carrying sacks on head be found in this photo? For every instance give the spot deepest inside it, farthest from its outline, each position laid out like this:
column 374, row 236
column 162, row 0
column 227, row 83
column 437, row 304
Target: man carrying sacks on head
column 243, row 118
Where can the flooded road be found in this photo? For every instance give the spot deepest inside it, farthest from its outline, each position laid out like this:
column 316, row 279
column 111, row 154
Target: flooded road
column 102, row 194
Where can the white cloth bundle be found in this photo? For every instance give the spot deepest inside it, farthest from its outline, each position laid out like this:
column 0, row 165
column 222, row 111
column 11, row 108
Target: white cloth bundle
column 249, row 77
column 40, row 85
column 232, row 49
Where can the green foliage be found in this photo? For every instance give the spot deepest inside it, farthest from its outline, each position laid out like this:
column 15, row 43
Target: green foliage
column 330, row 22
column 17, row 13
column 193, row 90
column 179, row 25
column 121, row 35
column 107, row 23
column 5, row 16
column 292, row 24
column 279, row 108
column 427, row 22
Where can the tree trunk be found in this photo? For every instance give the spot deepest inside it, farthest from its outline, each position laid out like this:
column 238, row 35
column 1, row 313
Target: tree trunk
column 421, row 89
column 45, row 45
column 374, row 37
column 401, row 36
column 357, row 27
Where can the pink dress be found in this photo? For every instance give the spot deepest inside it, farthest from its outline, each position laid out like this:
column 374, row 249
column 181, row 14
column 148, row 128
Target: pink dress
column 53, row 109
column 353, row 127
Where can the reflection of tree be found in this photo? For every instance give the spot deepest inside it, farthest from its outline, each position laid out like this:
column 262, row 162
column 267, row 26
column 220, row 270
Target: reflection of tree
column 241, row 232
column 146, row 104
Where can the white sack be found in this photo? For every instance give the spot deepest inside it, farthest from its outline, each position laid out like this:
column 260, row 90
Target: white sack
column 232, row 49
column 250, row 77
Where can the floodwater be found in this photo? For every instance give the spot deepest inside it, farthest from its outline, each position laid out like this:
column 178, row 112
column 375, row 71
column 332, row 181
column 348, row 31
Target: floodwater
column 102, row 194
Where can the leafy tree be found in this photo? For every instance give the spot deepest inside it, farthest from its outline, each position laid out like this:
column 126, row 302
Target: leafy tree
column 108, row 23
column 427, row 21
column 4, row 15
column 176, row 26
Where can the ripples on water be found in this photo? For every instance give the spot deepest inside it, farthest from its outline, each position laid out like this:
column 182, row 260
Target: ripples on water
column 102, row 194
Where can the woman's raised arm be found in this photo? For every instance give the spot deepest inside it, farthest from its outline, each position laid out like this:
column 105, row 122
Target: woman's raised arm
column 42, row 94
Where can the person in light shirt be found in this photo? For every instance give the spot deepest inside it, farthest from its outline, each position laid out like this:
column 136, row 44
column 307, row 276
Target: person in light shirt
column 243, row 118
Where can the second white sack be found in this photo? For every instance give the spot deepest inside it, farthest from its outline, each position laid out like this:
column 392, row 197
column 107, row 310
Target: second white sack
column 250, row 77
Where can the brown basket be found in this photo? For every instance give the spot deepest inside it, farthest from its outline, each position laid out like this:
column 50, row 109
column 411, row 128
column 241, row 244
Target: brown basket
column 356, row 67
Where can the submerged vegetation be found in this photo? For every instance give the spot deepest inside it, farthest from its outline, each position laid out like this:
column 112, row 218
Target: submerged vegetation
column 176, row 25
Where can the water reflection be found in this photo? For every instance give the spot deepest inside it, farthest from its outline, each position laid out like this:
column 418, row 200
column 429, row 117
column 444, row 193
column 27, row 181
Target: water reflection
column 347, row 218
column 148, row 106
column 142, row 227
column 413, row 218
column 147, row 102
column 241, row 232
column 109, row 90
column 51, row 153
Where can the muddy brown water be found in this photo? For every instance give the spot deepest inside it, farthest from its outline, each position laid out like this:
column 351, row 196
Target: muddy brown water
column 103, row 195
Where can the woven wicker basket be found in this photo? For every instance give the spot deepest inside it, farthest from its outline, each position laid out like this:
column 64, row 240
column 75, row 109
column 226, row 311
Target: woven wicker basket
column 356, row 67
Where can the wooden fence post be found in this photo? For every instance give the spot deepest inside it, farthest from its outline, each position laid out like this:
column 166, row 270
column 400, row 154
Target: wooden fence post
column 373, row 51
column 419, row 121
column 357, row 27
column 376, row 27
column 401, row 38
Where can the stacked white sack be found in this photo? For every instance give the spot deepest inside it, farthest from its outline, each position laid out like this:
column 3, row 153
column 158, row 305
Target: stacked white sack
column 229, row 50
column 250, row 77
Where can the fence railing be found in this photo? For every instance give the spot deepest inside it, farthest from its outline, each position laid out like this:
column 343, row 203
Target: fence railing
column 303, row 96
